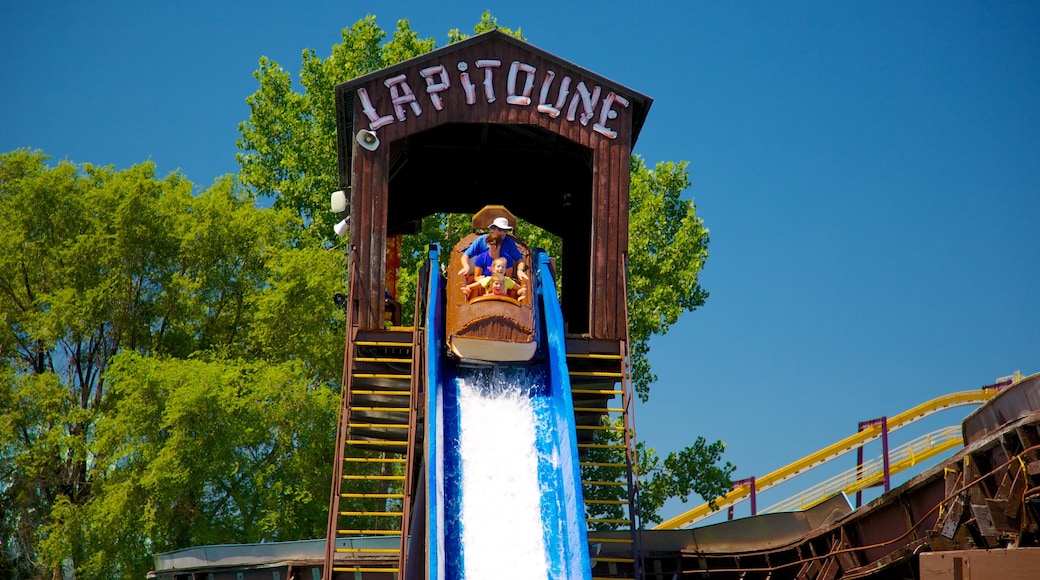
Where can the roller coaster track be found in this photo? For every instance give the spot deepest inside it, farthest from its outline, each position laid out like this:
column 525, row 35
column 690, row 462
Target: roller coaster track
column 868, row 434
column 872, row 472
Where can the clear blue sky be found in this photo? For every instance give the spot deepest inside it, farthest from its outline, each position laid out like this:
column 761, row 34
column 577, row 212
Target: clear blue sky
column 869, row 171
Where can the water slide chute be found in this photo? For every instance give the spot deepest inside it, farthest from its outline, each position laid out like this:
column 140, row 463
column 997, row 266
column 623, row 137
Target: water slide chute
column 536, row 469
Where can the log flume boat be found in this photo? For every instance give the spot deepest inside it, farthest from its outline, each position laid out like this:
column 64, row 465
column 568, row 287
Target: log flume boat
column 487, row 328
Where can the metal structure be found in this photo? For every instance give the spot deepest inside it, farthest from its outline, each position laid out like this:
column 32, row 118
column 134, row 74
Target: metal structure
column 985, row 498
column 868, row 433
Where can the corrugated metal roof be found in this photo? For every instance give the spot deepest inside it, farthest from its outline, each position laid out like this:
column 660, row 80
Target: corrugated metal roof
column 230, row 555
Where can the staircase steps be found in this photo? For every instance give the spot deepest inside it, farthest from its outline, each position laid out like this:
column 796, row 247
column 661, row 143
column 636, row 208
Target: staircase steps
column 380, row 413
column 601, row 393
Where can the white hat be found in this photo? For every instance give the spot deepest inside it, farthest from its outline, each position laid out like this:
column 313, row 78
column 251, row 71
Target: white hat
column 501, row 223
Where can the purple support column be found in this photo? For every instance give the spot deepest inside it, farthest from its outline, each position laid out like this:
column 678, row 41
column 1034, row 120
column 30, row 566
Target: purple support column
column 750, row 481
column 883, row 421
column 859, row 471
column 884, row 451
column 859, row 461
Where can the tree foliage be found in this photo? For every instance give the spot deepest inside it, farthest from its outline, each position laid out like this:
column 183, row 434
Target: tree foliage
column 697, row 468
column 138, row 316
column 201, row 452
column 667, row 246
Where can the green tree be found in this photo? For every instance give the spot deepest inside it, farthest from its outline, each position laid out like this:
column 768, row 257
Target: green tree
column 288, row 145
column 667, row 246
column 697, row 468
column 167, row 361
column 287, row 153
column 200, row 452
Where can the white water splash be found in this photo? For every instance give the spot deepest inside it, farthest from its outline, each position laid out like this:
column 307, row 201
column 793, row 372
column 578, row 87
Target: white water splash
column 502, row 531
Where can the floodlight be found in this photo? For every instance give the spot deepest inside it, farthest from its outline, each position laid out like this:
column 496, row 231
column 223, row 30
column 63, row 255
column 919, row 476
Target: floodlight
column 339, row 201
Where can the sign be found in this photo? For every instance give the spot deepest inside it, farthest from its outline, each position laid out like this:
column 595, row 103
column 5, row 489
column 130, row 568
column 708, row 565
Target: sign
column 482, row 82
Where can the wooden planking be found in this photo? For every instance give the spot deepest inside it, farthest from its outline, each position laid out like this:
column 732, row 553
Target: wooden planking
column 368, row 230
column 496, row 45
column 360, row 225
column 619, row 222
column 344, row 134
column 599, row 264
column 622, row 186
column 609, row 185
column 605, row 310
column 610, row 321
column 457, row 110
column 377, row 240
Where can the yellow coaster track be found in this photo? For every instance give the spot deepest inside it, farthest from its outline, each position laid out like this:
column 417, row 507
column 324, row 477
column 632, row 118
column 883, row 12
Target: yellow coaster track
column 974, row 397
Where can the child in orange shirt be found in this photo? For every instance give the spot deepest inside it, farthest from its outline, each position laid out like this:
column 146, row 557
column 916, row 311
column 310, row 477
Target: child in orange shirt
column 498, row 270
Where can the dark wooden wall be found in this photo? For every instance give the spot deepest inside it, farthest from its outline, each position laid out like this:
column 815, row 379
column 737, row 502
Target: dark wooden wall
column 559, row 174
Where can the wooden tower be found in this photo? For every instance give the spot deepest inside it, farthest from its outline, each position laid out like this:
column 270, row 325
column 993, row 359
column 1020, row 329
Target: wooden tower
column 493, row 120
column 490, row 120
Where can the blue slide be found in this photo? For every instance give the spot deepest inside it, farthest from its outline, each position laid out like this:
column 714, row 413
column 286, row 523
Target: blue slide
column 503, row 483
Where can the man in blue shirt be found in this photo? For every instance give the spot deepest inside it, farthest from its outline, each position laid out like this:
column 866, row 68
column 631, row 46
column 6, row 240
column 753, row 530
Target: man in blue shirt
column 498, row 230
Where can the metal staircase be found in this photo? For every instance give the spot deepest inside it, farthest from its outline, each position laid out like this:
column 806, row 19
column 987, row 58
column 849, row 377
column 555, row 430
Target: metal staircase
column 377, row 449
column 371, row 489
column 603, row 420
